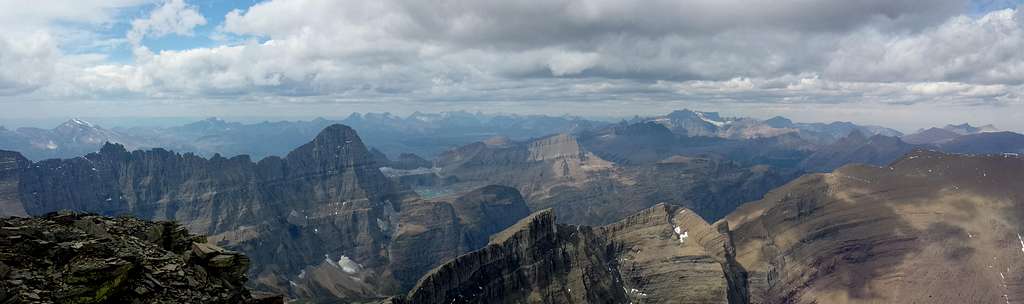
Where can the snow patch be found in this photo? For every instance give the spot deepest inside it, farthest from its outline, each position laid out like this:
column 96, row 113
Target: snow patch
column 683, row 235
column 81, row 122
column 1021, row 243
column 708, row 120
column 348, row 265
column 634, row 291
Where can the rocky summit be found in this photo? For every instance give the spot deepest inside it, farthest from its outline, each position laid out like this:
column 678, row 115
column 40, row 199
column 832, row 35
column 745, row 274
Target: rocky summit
column 82, row 258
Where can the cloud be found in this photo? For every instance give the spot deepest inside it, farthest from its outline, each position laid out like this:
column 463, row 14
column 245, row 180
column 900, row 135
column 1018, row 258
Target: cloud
column 978, row 50
column 599, row 51
column 173, row 17
column 26, row 62
column 16, row 15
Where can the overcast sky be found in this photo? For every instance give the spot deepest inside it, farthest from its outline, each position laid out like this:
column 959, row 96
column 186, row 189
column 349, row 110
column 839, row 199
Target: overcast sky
column 901, row 63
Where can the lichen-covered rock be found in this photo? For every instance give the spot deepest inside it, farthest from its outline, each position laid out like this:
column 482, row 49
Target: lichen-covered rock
column 81, row 258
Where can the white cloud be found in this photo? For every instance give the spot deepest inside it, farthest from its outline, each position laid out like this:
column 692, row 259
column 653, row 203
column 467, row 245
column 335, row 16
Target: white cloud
column 173, row 17
column 728, row 51
column 26, row 62
column 17, row 15
column 980, row 50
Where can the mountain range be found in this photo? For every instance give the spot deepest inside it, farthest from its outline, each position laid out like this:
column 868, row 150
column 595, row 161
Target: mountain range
column 424, row 134
column 648, row 210
column 711, row 124
column 929, row 228
column 321, row 222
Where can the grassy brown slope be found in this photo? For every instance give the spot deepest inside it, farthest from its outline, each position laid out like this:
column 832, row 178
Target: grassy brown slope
column 930, row 228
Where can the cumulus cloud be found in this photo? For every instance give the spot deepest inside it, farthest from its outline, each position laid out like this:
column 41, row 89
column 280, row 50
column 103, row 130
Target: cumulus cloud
column 982, row 50
column 26, row 62
column 727, row 51
column 173, row 17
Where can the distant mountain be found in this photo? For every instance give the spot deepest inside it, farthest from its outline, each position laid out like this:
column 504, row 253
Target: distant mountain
column 928, row 228
column 566, row 173
column 430, row 134
column 424, row 134
column 856, row 148
column 931, row 136
column 968, row 139
column 967, row 129
column 74, row 137
column 711, row 124
column 986, row 143
column 649, row 142
column 938, row 136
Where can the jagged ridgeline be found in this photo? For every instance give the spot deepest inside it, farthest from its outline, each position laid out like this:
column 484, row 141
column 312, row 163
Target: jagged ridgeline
column 322, row 222
column 79, row 258
column 929, row 228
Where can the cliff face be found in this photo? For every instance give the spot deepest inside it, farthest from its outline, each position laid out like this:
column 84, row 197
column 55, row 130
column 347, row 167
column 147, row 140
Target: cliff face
column 76, row 258
column 210, row 195
column 663, row 254
column 535, row 261
column 322, row 222
column 929, row 228
column 11, row 165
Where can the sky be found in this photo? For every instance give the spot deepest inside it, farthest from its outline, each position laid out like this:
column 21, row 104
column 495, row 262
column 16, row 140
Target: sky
column 906, row 64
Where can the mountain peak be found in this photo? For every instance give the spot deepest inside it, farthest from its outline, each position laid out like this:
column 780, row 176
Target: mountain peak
column 337, row 132
column 76, row 122
column 112, row 148
column 962, row 129
column 779, row 122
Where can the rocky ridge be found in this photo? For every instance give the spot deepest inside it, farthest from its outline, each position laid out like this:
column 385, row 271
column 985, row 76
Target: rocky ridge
column 664, row 254
column 82, row 258
column 321, row 223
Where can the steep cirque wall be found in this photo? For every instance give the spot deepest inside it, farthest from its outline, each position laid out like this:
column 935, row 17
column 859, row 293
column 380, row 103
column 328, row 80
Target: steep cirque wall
column 664, row 254
column 322, row 222
column 667, row 254
column 536, row 260
column 929, row 228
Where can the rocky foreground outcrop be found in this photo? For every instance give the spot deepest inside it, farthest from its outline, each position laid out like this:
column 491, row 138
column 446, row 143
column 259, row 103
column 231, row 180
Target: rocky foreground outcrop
column 80, row 258
column 929, row 228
